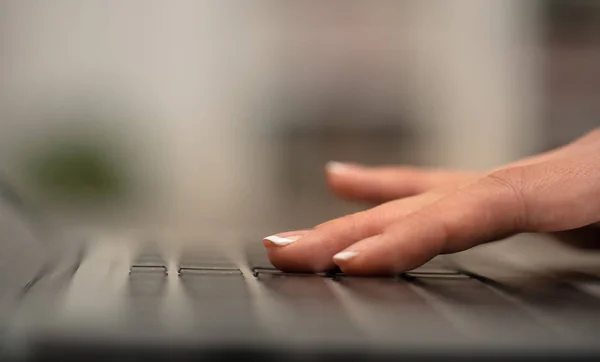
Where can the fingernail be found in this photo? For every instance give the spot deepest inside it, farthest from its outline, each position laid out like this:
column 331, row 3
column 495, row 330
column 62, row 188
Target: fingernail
column 345, row 255
column 336, row 167
column 281, row 241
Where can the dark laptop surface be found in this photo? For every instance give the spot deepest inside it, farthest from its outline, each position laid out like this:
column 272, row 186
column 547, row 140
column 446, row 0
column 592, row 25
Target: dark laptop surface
column 134, row 299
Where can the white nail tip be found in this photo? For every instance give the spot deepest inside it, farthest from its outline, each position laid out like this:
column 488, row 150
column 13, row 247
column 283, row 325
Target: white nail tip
column 280, row 241
column 334, row 166
column 345, row 255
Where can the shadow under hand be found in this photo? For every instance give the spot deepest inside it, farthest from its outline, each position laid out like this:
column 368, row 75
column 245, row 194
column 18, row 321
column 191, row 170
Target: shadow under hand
column 587, row 237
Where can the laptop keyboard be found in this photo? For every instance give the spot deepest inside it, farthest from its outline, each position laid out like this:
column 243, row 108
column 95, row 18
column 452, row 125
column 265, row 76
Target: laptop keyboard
column 208, row 292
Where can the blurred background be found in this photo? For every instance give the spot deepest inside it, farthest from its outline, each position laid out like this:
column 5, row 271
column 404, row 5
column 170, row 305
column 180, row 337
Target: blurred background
column 220, row 115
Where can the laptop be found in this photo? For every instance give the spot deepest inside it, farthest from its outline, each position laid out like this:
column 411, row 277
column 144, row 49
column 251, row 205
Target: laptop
column 131, row 296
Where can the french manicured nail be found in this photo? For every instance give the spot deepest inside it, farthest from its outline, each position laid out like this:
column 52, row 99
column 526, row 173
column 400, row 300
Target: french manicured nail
column 345, row 255
column 281, row 241
column 336, row 167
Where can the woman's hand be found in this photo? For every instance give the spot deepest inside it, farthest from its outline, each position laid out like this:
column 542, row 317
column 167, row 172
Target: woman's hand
column 429, row 212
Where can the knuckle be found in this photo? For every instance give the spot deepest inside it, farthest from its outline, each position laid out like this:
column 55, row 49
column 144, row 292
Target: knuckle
column 355, row 227
column 507, row 178
column 351, row 223
column 510, row 184
column 358, row 223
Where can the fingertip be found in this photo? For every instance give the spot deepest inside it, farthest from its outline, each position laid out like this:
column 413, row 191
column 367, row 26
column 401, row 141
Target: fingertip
column 283, row 239
column 344, row 180
column 294, row 251
column 335, row 167
column 276, row 240
column 379, row 256
column 345, row 255
column 355, row 259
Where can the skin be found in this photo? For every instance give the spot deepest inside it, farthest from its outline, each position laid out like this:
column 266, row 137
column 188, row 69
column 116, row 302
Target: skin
column 422, row 213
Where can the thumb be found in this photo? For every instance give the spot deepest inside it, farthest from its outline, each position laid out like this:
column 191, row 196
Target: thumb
column 382, row 184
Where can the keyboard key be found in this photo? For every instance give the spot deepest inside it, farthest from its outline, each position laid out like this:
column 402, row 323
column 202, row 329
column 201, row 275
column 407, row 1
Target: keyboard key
column 483, row 313
column 204, row 286
column 383, row 307
column 465, row 291
column 306, row 307
column 382, row 291
column 146, row 293
column 567, row 311
column 147, row 286
column 558, row 295
column 571, row 311
column 221, row 303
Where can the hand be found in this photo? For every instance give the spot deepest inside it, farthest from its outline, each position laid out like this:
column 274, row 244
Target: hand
column 430, row 212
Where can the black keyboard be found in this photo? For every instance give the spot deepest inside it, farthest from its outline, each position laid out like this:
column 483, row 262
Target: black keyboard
column 206, row 302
